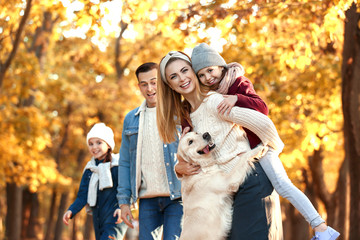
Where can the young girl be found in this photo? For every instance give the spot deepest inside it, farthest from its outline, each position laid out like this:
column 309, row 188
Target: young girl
column 98, row 185
column 228, row 79
column 253, row 215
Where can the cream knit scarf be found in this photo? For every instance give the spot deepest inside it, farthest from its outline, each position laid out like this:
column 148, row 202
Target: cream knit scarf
column 100, row 177
column 234, row 71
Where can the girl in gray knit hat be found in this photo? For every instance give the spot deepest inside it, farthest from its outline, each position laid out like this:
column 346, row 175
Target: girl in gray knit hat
column 228, row 80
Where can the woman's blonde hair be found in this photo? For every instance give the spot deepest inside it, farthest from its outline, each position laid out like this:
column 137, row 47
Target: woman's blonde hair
column 171, row 106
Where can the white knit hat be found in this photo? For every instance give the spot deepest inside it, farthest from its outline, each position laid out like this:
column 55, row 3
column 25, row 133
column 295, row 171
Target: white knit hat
column 204, row 56
column 100, row 130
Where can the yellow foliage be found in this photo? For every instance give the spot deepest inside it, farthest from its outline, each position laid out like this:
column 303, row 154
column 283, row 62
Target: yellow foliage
column 282, row 47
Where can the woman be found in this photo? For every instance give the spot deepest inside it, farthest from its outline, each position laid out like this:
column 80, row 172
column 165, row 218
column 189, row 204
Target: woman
column 254, row 216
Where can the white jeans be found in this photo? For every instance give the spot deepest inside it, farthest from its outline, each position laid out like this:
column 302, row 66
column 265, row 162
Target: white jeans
column 276, row 173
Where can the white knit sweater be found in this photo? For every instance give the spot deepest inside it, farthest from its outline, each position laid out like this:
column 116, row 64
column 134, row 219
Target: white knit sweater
column 227, row 132
column 154, row 181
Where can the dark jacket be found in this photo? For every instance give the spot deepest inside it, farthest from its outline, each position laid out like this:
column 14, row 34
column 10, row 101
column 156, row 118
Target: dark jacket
column 106, row 204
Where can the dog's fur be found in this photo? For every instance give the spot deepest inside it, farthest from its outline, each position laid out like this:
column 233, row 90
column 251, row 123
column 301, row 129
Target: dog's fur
column 208, row 195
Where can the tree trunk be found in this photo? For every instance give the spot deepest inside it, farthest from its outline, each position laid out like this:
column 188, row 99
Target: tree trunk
column 294, row 225
column 59, row 223
column 34, row 224
column 119, row 68
column 41, row 38
column 30, row 213
column 321, row 190
column 51, row 217
column 4, row 66
column 351, row 111
column 14, row 210
column 75, row 229
column 26, row 209
column 342, row 198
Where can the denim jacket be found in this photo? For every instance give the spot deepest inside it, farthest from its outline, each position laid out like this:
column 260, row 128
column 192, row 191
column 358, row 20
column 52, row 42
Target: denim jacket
column 130, row 159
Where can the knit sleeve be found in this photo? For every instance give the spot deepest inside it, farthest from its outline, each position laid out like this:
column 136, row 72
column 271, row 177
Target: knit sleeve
column 255, row 121
column 81, row 198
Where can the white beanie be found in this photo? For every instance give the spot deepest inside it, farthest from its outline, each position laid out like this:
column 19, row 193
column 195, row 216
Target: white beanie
column 100, row 130
column 204, row 56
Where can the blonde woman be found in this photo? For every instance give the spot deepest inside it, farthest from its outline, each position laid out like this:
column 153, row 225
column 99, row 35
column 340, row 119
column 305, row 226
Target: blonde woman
column 254, row 215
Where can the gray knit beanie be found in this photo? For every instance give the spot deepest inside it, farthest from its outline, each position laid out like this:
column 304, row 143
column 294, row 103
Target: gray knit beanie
column 204, row 56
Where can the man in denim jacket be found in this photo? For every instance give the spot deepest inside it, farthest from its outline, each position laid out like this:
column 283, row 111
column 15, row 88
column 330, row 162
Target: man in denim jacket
column 146, row 168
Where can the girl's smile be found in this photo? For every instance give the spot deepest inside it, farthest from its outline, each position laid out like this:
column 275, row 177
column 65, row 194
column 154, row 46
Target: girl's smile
column 210, row 75
column 98, row 148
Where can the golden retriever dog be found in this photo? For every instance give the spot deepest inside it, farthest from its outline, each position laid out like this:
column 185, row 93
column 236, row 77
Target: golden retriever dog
column 208, row 196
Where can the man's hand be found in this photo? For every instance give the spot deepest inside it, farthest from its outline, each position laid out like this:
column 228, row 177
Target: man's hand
column 227, row 104
column 126, row 215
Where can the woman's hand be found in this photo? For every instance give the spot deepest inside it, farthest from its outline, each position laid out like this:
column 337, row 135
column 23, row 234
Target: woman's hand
column 67, row 216
column 227, row 104
column 126, row 215
column 184, row 168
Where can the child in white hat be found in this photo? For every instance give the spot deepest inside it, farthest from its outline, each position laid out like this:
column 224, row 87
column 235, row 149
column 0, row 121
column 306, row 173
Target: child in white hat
column 228, row 79
column 98, row 186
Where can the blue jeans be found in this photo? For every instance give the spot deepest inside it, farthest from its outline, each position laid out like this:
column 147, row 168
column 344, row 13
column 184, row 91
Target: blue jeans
column 157, row 212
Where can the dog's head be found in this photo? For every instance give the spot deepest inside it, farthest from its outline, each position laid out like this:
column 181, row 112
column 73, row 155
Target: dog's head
column 196, row 148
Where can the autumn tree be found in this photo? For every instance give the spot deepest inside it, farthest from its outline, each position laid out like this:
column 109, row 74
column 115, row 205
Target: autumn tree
column 351, row 111
column 66, row 65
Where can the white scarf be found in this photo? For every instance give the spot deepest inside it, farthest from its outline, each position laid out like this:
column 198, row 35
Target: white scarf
column 100, row 177
column 234, row 71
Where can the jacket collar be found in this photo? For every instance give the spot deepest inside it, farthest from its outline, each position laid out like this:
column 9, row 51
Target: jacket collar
column 141, row 108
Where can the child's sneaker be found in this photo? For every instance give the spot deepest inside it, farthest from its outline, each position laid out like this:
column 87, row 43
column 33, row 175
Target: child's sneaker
column 328, row 234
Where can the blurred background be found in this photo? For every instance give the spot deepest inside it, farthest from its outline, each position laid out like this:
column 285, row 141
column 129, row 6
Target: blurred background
column 65, row 65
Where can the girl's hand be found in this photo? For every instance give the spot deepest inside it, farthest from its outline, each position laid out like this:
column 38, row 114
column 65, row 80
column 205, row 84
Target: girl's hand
column 118, row 214
column 185, row 168
column 126, row 215
column 67, row 216
column 227, row 104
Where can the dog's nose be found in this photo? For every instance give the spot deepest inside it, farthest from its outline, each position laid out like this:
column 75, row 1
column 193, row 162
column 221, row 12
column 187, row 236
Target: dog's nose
column 207, row 136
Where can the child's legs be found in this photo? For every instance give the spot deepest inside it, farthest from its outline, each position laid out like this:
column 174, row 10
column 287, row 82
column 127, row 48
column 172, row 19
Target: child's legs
column 173, row 212
column 277, row 175
column 150, row 219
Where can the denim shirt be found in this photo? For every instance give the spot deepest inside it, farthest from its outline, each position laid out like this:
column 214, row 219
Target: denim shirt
column 129, row 166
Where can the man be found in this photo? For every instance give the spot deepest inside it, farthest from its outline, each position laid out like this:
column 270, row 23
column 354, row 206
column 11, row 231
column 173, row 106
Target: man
column 146, row 167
